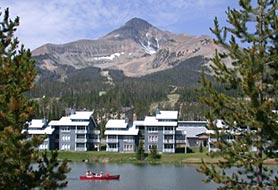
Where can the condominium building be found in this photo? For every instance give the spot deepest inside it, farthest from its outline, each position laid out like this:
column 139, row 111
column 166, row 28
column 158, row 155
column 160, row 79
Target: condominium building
column 76, row 132
column 160, row 131
column 196, row 132
column 121, row 136
column 39, row 127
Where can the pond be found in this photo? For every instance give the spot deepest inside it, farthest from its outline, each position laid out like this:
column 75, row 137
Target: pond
column 138, row 177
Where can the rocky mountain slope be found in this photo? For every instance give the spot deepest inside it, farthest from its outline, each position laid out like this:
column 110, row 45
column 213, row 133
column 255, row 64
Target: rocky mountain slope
column 137, row 48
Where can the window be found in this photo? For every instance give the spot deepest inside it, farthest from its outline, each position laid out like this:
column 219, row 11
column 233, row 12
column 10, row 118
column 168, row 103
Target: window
column 168, row 137
column 128, row 138
column 43, row 146
column 65, row 147
column 112, row 137
column 81, row 128
column 112, row 145
column 168, row 146
column 66, row 138
column 65, row 129
column 152, row 129
column 168, row 128
column 80, row 136
column 80, row 145
column 152, row 138
column 128, row 147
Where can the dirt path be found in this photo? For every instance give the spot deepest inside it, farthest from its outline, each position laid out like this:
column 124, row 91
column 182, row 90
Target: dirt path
column 173, row 98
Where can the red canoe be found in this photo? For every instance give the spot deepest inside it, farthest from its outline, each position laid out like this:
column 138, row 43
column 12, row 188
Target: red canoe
column 104, row 177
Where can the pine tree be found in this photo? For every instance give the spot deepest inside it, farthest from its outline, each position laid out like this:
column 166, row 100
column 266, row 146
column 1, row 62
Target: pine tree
column 248, row 117
column 201, row 147
column 153, row 153
column 140, row 154
column 18, row 156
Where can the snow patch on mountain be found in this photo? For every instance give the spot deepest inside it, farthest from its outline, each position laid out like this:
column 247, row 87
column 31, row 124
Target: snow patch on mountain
column 148, row 49
column 110, row 57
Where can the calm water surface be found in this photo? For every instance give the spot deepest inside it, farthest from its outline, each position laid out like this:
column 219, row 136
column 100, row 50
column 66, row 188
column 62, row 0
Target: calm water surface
column 138, row 177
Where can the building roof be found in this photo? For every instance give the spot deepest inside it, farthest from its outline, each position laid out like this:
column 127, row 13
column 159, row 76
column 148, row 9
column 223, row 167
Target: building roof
column 153, row 121
column 70, row 120
column 171, row 115
column 37, row 123
column 46, row 131
column 116, row 123
column 138, row 122
column 129, row 131
column 81, row 115
column 38, row 127
column 66, row 121
column 193, row 132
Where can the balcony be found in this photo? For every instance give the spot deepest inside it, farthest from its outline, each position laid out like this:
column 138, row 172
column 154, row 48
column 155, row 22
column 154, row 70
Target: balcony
column 81, row 149
column 170, row 141
column 81, row 131
column 112, row 149
column 168, row 150
column 170, row 132
column 81, row 140
column 151, row 132
column 128, row 140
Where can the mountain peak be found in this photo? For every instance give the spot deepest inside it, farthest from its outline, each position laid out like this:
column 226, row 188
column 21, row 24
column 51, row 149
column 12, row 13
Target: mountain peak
column 137, row 48
column 132, row 29
column 137, row 22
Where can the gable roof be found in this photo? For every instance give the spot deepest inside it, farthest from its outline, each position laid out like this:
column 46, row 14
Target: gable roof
column 38, row 127
column 153, row 121
column 81, row 115
column 69, row 120
column 37, row 123
column 116, row 123
column 128, row 131
column 66, row 121
column 171, row 115
column 46, row 131
column 193, row 132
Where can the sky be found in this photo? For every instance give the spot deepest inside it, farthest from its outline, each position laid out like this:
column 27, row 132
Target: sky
column 64, row 21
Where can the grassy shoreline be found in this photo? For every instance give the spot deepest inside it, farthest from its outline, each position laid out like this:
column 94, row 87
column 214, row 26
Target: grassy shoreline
column 115, row 157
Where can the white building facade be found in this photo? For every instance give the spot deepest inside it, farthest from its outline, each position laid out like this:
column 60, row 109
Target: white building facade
column 39, row 127
column 76, row 132
column 121, row 136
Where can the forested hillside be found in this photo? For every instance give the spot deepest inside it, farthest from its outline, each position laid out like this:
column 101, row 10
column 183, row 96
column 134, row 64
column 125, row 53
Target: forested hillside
column 90, row 89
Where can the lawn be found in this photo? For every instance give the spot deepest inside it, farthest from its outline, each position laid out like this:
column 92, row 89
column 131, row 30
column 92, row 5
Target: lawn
column 115, row 157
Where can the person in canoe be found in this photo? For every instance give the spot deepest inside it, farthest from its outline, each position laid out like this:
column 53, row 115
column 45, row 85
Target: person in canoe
column 89, row 173
column 98, row 174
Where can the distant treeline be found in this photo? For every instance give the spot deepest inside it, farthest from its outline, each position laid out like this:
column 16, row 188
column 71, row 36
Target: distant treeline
column 81, row 90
